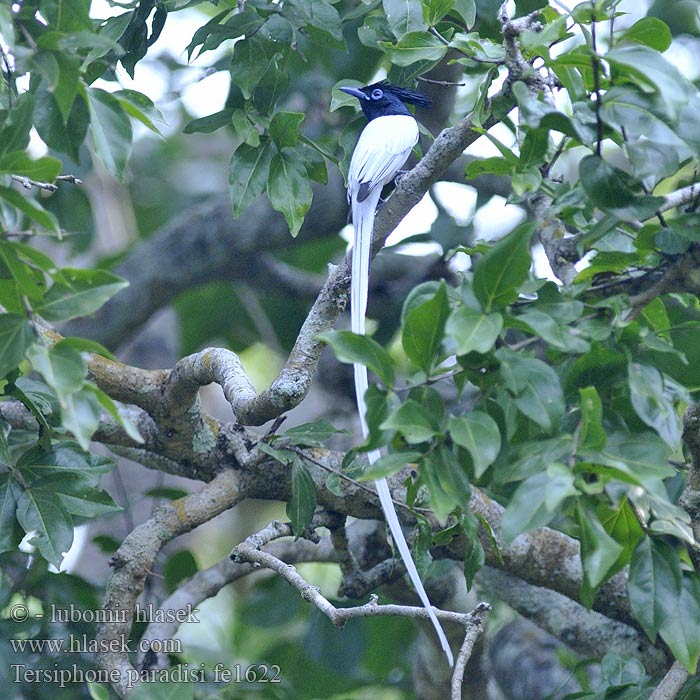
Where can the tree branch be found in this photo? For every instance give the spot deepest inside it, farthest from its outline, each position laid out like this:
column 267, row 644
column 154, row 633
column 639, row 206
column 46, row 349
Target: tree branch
column 206, row 584
column 133, row 561
column 588, row 632
column 671, row 684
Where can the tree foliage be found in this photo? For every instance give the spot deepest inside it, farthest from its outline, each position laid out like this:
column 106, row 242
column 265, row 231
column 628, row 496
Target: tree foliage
column 567, row 399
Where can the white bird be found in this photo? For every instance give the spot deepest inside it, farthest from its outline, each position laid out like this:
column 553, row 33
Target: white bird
column 383, row 147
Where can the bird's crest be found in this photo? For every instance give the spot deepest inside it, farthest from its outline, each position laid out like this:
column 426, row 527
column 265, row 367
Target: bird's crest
column 404, row 94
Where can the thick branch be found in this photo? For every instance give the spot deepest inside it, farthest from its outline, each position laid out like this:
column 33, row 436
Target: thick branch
column 588, row 632
column 202, row 245
column 133, row 561
column 671, row 684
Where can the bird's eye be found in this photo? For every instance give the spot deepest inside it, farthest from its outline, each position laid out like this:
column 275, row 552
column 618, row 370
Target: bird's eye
column 377, row 94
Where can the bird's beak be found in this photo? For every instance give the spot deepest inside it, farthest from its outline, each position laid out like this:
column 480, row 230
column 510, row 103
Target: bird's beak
column 355, row 92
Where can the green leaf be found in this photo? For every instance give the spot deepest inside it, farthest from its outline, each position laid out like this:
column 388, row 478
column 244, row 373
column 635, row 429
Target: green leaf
column 493, row 165
column 681, row 629
column 476, row 556
column 180, row 566
column 623, row 525
column 591, row 432
column 111, row 131
column 62, row 73
column 14, row 133
column 139, row 107
column 654, row 584
column 40, row 401
column 651, row 32
column 112, row 409
column 478, row 433
column 319, row 15
column 614, row 190
column 42, row 512
column 466, row 9
column 214, row 33
column 433, row 473
column 272, row 85
column 311, row 434
column 302, row 503
column 63, row 137
column 415, row 422
column 284, row 128
column 163, row 690
column 16, row 336
column 212, row 122
column 450, row 474
column 635, row 458
column 350, row 347
column 472, row 331
column 289, row 190
column 250, row 61
column 29, row 281
column 536, row 501
column 379, row 404
column 501, row 270
column 30, row 208
column 81, row 292
column 435, row 10
column 536, row 387
column 97, row 691
column 77, row 496
column 62, row 367
column 423, row 329
column 599, row 552
column 403, row 16
column 8, row 505
column 19, row 163
column 557, row 336
column 652, row 404
column 533, row 149
column 388, row 465
column 313, row 159
column 650, row 70
column 81, row 415
column 532, row 457
column 413, row 47
column 245, row 128
column 620, row 672
column 248, row 173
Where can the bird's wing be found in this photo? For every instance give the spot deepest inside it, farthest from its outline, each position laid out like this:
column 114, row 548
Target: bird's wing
column 383, row 147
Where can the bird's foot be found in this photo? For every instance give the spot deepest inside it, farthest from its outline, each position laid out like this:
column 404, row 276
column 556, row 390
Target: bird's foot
column 399, row 175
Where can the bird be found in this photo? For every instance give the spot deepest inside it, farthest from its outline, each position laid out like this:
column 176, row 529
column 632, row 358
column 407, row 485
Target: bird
column 382, row 149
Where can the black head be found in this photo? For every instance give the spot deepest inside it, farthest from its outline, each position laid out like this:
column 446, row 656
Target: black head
column 382, row 99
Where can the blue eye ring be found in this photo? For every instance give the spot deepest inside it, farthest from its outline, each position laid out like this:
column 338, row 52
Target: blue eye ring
column 377, row 94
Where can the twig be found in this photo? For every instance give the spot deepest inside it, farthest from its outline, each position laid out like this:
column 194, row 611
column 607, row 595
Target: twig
column 470, row 636
column 439, row 36
column 27, row 183
column 8, row 77
column 671, row 684
column 445, row 83
column 69, row 178
column 247, row 551
column 207, row 583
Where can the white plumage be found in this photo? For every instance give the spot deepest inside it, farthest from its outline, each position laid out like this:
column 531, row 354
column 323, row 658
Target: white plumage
column 383, row 147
